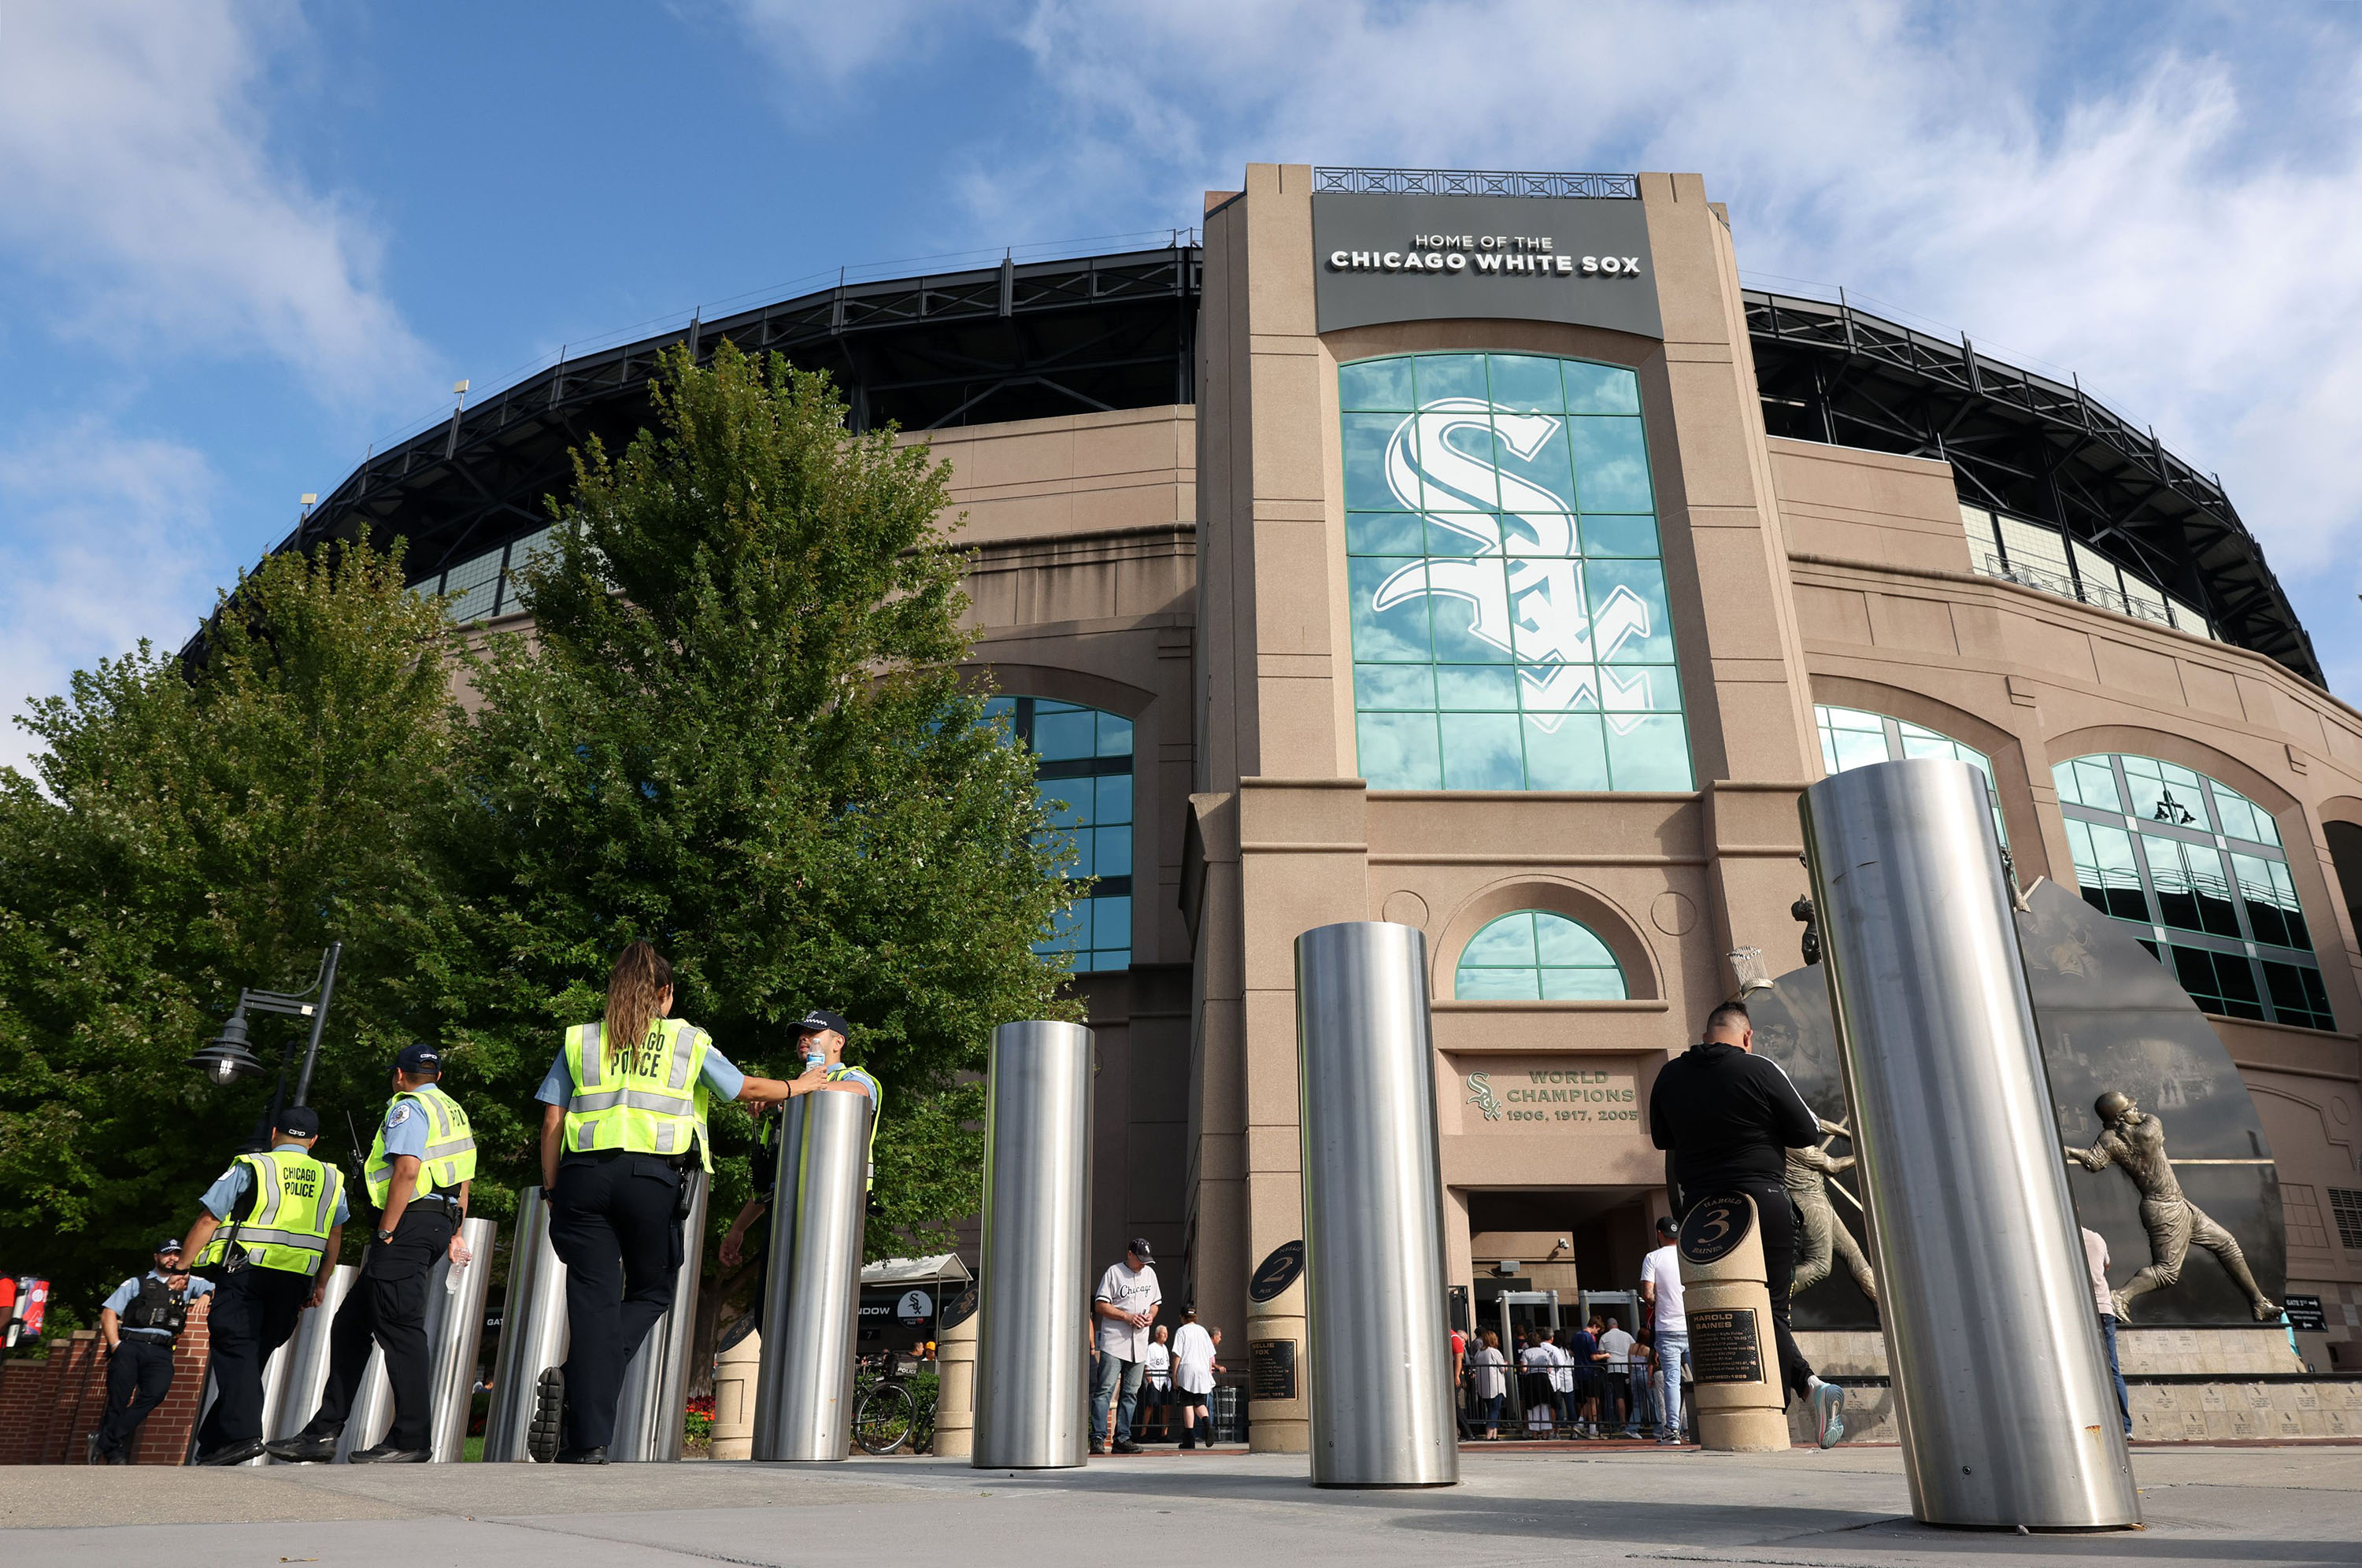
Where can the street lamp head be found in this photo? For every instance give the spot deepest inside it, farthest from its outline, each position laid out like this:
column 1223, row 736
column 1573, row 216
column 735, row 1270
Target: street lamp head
column 227, row 1057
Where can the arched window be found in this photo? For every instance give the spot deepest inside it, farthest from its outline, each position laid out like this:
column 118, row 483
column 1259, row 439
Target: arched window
column 1508, row 611
column 1084, row 770
column 1852, row 738
column 1535, row 955
column 2199, row 866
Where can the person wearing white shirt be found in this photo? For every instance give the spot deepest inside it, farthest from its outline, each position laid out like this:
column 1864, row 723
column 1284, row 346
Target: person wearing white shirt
column 1661, row 1292
column 2095, row 1259
column 1536, row 1362
column 1123, row 1307
column 1194, row 1366
column 1484, row 1365
column 1561, row 1379
column 1156, row 1389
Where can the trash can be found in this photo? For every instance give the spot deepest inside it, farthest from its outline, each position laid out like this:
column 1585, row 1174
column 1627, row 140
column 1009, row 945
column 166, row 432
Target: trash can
column 1229, row 1408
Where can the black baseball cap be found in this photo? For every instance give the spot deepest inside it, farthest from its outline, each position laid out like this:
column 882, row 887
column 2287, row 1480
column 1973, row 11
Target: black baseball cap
column 1140, row 1245
column 1668, row 1226
column 300, row 1119
column 169, row 1244
column 419, row 1058
column 819, row 1020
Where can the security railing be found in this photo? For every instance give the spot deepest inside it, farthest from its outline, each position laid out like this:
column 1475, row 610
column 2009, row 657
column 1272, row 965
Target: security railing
column 2069, row 587
column 1474, row 183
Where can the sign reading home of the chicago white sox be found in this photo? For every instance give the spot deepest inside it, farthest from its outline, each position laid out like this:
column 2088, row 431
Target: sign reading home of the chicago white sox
column 1381, row 259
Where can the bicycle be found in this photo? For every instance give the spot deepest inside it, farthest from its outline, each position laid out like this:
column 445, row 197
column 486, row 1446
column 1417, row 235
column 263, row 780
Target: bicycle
column 888, row 1410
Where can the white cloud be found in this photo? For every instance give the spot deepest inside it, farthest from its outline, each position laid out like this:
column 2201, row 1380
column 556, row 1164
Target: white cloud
column 2168, row 201
column 136, row 172
column 828, row 43
column 112, row 539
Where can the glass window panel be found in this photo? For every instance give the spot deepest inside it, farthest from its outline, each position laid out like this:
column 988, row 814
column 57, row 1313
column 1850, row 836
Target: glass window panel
column 2216, row 915
column 1857, row 749
column 1366, row 436
column 1508, row 940
column 1851, row 719
column 1568, row 943
column 1449, row 375
column 1111, row 851
column 2177, row 904
column 1065, row 810
column 2242, row 817
column 1375, row 384
column 1384, row 534
column 1399, row 633
column 1399, row 751
column 1470, row 618
column 1453, row 534
column 1457, row 467
column 1653, row 753
column 2089, row 781
column 1114, row 802
column 1498, row 984
column 1393, row 688
column 1550, row 618
column 1481, row 751
column 1639, row 688
column 1529, row 384
column 2236, row 977
column 1600, row 388
column 1611, row 465
column 1628, row 620
column 1619, row 535
column 1476, row 688
column 1115, row 735
column 1537, row 474
column 2285, row 990
column 1539, row 533
column 1569, row 754
column 1111, row 922
column 1083, row 866
column 1582, row 985
column 1063, row 737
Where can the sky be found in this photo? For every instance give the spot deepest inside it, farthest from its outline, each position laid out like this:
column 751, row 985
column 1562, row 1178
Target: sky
column 244, row 241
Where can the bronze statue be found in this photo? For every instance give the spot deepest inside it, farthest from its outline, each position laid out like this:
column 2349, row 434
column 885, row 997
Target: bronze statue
column 1825, row 1237
column 2134, row 1140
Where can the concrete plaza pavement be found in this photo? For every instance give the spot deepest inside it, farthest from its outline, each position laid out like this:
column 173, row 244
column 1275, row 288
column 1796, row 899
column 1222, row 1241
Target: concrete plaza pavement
column 2257, row 1506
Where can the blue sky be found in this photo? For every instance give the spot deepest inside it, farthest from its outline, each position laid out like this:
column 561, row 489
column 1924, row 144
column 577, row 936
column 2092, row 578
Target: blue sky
column 242, row 240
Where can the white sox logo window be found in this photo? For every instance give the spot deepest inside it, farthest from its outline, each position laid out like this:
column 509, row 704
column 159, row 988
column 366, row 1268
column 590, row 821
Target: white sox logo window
column 1536, row 612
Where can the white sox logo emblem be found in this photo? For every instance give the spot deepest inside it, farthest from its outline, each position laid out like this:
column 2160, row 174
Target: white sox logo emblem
column 1537, row 612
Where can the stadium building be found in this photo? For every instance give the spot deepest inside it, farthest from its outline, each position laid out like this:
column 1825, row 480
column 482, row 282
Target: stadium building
column 1474, row 551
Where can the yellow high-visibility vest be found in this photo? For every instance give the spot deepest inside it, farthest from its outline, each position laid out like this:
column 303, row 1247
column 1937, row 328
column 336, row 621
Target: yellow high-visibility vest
column 294, row 1200
column 649, row 1100
column 450, row 1156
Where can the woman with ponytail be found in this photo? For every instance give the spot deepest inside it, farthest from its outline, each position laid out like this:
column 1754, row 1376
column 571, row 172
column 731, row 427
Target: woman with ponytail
column 623, row 1130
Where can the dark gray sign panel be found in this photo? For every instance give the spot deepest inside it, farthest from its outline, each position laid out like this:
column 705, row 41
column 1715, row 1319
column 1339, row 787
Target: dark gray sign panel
column 1584, row 260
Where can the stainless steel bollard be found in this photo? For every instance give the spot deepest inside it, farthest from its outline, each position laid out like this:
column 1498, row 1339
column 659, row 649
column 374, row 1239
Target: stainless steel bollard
column 2000, row 1382
column 533, row 1330
column 803, row 1397
column 455, row 1329
column 653, row 1404
column 1034, row 1358
column 1379, row 1346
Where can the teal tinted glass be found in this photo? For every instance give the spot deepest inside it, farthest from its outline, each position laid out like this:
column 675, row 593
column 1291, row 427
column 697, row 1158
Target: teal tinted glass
column 1501, row 532
column 1084, row 762
column 1537, row 956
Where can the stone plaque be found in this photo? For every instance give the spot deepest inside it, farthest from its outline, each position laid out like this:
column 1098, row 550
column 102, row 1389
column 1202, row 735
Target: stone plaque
column 1568, row 1094
column 1271, row 1369
column 1723, row 1347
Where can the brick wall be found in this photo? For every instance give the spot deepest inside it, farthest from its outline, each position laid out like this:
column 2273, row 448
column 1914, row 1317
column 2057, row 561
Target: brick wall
column 48, row 1408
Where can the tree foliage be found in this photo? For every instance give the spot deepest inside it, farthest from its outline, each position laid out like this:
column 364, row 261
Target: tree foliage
column 738, row 731
column 193, row 832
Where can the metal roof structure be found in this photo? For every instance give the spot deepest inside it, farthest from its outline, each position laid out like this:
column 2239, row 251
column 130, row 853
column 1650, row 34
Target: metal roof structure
column 1027, row 340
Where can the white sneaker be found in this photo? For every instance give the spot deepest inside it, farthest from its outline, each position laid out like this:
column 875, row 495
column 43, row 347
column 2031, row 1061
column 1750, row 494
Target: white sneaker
column 1828, row 1414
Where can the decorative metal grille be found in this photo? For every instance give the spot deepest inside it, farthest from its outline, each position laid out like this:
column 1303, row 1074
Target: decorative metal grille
column 1476, row 182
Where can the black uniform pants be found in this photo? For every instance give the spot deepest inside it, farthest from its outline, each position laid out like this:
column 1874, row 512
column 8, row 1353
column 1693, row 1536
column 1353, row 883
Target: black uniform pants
column 387, row 1307
column 614, row 1223
column 254, row 1312
column 1776, row 1214
column 139, row 1375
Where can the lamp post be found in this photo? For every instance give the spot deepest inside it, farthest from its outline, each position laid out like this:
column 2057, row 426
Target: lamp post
column 227, row 1057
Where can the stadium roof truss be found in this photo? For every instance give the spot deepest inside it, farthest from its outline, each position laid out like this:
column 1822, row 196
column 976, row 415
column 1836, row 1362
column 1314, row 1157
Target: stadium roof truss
column 1028, row 340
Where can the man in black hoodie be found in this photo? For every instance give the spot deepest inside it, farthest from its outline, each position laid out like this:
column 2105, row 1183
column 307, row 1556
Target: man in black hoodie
column 1726, row 1119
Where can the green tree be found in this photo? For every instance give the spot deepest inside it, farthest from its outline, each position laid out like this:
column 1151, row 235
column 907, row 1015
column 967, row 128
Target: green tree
column 738, row 731
column 197, row 830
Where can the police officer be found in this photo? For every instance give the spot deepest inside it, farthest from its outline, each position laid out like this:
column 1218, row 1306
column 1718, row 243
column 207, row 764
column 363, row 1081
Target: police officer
column 823, row 1036
column 267, row 1237
column 140, row 1323
column 1726, row 1119
column 624, row 1126
column 419, row 1168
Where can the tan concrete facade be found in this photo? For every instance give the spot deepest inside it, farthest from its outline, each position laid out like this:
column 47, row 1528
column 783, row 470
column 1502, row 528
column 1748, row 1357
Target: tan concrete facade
column 1185, row 568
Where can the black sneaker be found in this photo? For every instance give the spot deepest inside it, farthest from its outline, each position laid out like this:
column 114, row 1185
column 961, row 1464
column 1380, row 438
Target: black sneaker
column 304, row 1448
column 1125, row 1445
column 1098, row 1447
column 547, row 1432
column 386, row 1453
column 237, row 1452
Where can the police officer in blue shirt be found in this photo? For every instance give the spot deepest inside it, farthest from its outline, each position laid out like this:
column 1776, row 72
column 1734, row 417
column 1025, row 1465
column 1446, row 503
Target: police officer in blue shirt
column 419, row 1170
column 140, row 1323
column 271, row 1262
